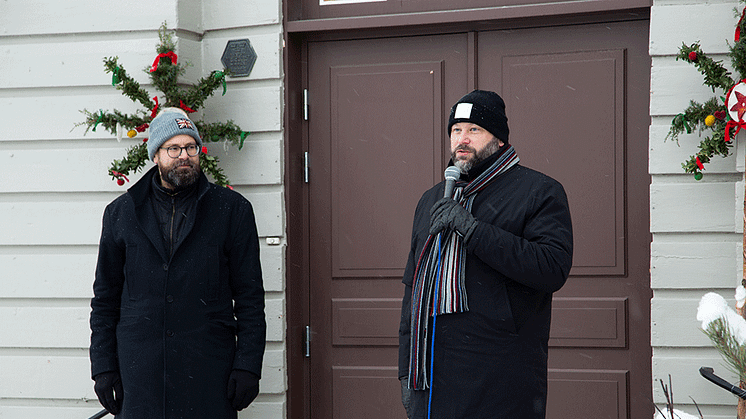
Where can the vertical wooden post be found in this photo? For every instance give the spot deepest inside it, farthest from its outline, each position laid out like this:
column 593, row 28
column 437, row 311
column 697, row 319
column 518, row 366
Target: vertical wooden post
column 741, row 410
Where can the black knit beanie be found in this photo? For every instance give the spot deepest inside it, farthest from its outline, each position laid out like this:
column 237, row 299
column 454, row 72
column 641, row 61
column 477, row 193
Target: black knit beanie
column 486, row 109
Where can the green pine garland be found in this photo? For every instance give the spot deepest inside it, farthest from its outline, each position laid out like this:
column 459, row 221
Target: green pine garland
column 696, row 115
column 712, row 115
column 189, row 98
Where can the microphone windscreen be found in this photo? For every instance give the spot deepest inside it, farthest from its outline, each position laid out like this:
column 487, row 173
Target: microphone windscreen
column 452, row 173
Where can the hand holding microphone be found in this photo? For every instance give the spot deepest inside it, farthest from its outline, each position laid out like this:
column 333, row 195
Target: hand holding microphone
column 447, row 213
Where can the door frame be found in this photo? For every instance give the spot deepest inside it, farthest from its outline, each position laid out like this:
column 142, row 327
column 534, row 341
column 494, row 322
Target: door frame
column 296, row 35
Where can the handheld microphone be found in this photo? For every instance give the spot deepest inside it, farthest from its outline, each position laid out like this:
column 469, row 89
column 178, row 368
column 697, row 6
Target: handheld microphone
column 452, row 174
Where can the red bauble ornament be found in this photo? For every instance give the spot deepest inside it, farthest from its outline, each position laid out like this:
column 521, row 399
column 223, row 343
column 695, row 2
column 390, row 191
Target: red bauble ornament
column 120, row 182
column 719, row 115
column 693, row 56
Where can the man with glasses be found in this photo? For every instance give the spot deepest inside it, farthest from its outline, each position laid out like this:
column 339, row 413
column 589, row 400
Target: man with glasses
column 177, row 321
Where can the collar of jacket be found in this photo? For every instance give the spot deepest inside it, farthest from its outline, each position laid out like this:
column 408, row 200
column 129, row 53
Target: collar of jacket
column 143, row 187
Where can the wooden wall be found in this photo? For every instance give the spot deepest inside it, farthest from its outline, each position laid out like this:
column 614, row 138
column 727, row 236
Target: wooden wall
column 696, row 225
column 54, row 183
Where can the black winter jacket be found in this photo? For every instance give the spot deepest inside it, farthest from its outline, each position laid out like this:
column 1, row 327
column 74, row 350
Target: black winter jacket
column 491, row 362
column 175, row 327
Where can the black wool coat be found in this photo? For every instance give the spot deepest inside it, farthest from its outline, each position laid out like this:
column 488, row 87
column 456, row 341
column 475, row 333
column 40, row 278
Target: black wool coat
column 491, row 362
column 175, row 327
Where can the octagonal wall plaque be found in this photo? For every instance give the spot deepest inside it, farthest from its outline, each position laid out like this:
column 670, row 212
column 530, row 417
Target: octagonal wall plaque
column 238, row 57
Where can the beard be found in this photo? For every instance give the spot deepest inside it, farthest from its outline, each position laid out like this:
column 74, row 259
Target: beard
column 181, row 174
column 466, row 163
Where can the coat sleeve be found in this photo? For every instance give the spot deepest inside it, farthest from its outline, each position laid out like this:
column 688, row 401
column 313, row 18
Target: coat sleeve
column 248, row 293
column 539, row 258
column 107, row 293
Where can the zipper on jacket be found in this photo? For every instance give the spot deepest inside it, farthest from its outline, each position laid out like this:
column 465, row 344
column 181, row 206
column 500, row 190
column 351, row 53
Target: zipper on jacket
column 171, row 228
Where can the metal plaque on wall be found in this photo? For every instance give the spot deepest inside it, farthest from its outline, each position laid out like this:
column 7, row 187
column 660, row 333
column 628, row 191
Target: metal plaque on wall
column 238, row 57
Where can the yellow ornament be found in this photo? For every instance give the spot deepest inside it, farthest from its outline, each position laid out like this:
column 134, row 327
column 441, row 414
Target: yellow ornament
column 710, row 120
column 131, row 133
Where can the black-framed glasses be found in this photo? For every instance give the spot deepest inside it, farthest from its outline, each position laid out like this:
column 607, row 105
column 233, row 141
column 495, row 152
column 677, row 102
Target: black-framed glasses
column 175, row 151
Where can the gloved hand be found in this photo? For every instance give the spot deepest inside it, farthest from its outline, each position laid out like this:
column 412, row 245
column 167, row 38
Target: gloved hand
column 243, row 387
column 447, row 213
column 108, row 388
column 406, row 396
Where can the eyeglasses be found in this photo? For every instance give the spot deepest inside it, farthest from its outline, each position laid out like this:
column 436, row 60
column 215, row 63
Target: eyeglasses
column 175, row 151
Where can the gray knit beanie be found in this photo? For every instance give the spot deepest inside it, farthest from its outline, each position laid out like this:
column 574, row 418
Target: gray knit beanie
column 484, row 108
column 169, row 123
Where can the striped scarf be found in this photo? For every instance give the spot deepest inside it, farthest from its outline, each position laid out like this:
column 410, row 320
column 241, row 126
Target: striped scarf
column 439, row 281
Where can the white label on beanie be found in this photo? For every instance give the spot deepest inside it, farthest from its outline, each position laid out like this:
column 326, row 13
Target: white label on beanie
column 463, row 111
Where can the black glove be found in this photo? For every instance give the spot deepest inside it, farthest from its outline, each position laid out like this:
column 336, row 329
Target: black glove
column 108, row 388
column 406, row 396
column 447, row 213
column 243, row 387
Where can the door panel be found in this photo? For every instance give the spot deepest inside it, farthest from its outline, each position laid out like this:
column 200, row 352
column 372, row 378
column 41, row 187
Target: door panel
column 376, row 143
column 578, row 110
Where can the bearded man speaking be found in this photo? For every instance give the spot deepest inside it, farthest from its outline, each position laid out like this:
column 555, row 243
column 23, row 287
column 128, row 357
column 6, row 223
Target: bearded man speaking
column 482, row 267
column 177, row 321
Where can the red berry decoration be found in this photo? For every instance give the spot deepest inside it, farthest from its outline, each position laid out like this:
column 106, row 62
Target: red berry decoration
column 120, row 182
column 693, row 56
column 145, row 140
column 719, row 115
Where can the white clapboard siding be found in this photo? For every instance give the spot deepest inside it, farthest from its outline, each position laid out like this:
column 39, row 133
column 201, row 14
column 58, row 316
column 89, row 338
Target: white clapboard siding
column 686, row 380
column 56, row 220
column 675, row 318
column 34, row 376
column 49, row 272
column 53, row 17
column 268, row 48
column 82, row 166
column 668, row 95
column 44, row 272
column 74, row 61
column 252, row 108
column 696, row 226
column 666, row 156
column 695, row 265
column 220, row 14
column 692, row 207
column 46, row 377
column 30, row 327
column 54, row 183
column 710, row 23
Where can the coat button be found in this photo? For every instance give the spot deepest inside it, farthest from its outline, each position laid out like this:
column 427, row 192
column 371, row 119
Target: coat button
column 165, row 266
column 169, row 333
column 170, row 298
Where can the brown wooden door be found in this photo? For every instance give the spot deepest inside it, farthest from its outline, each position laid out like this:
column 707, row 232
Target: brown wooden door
column 577, row 105
column 375, row 144
column 577, row 101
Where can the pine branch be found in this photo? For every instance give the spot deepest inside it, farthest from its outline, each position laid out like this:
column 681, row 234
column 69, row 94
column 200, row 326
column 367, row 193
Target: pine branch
column 195, row 96
column 109, row 120
column 132, row 163
column 732, row 352
column 715, row 75
column 209, row 164
column 218, row 131
column 129, row 86
column 165, row 79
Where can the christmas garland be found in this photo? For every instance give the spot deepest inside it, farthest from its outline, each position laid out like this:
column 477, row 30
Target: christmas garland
column 716, row 114
column 164, row 74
